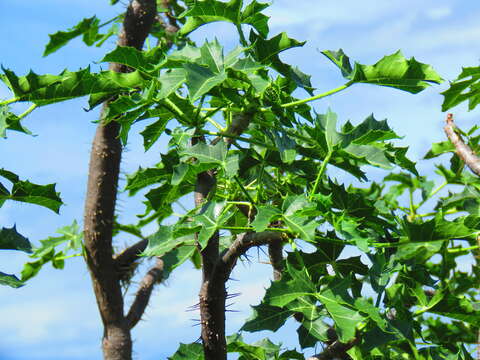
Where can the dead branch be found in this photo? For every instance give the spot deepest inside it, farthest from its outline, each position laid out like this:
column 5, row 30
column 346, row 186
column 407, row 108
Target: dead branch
column 463, row 150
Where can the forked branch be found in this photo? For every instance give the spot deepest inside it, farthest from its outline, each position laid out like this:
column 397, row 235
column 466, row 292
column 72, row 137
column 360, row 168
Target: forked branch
column 239, row 247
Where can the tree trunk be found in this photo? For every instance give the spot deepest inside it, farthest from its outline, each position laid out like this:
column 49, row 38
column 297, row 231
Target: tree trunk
column 100, row 202
column 212, row 311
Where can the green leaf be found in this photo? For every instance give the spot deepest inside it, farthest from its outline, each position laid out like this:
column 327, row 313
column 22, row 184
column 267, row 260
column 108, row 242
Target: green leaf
column 457, row 307
column 286, row 146
column 298, row 222
column 393, row 71
column 266, row 317
column 338, row 304
column 10, row 280
column 211, row 218
column 201, row 79
column 265, row 215
column 439, row 149
column 10, row 121
column 211, row 55
column 175, row 258
column 170, row 82
column 284, row 292
column 25, row 191
column 236, row 344
column 47, row 89
column 207, row 11
column 267, row 50
column 145, row 61
column 165, row 240
column 48, row 251
column 186, row 54
column 192, row 351
column 462, row 90
column 10, row 239
column 86, row 27
column 252, row 15
column 214, row 154
column 315, row 330
column 152, row 132
column 145, row 177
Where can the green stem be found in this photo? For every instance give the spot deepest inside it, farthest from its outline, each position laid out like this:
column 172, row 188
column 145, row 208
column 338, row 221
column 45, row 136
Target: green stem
column 244, row 190
column 171, row 106
column 319, row 96
column 109, row 21
column 458, row 250
column 413, row 213
column 199, row 108
column 231, row 108
column 246, row 203
column 249, row 228
column 303, row 101
column 433, row 193
column 9, row 101
column 397, row 244
column 28, row 111
column 247, row 140
column 449, row 212
column 320, row 174
column 243, row 41
column 68, row 256
column 214, row 123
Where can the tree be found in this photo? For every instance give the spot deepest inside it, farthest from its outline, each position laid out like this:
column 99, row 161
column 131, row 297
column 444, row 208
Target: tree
column 257, row 161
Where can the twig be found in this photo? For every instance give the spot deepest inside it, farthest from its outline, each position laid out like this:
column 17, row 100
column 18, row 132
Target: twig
column 153, row 276
column 463, row 150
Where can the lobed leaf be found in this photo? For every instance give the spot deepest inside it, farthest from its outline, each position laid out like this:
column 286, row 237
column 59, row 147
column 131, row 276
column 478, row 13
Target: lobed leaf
column 145, row 61
column 87, row 27
column 47, row 89
column 393, row 71
column 10, row 239
column 206, row 11
column 10, row 121
column 25, row 191
column 10, row 280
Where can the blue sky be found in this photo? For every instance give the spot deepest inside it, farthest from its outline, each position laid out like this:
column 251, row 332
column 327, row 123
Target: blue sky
column 55, row 316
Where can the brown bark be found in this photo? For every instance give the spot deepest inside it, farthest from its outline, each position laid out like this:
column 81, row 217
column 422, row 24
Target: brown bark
column 213, row 295
column 275, row 253
column 213, row 292
column 215, row 268
column 153, row 276
column 128, row 256
column 100, row 202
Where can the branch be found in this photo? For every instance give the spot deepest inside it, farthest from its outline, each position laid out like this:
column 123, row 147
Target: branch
column 337, row 350
column 463, row 150
column 153, row 276
column 240, row 123
column 240, row 246
column 275, row 253
column 129, row 255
